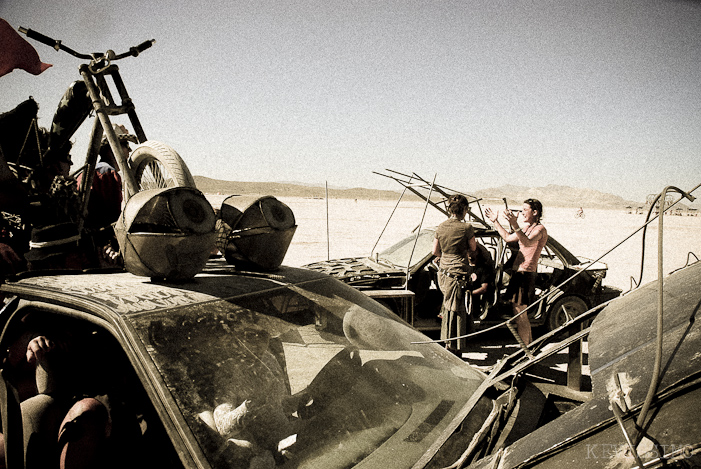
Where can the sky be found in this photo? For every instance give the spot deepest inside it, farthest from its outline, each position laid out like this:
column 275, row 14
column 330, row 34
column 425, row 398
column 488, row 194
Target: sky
column 600, row 94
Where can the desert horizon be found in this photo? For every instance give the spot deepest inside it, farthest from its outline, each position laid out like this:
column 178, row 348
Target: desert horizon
column 352, row 228
column 551, row 195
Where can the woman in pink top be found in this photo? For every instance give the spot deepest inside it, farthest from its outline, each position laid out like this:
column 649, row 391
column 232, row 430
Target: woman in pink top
column 531, row 238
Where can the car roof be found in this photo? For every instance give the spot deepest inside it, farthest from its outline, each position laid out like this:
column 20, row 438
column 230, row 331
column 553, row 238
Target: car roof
column 124, row 294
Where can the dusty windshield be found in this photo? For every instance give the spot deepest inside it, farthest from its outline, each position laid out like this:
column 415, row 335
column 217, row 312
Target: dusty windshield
column 399, row 254
column 311, row 375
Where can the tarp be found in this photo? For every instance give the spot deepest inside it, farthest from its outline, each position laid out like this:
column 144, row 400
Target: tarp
column 16, row 52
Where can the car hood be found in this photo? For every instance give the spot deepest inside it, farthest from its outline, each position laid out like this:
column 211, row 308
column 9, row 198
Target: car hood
column 622, row 345
column 357, row 270
column 590, row 265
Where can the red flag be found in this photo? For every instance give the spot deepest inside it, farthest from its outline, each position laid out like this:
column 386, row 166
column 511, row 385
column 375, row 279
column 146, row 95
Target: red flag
column 15, row 52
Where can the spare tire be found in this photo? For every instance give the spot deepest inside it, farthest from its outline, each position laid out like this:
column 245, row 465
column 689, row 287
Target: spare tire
column 156, row 165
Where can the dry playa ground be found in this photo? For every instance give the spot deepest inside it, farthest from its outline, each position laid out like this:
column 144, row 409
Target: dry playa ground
column 357, row 228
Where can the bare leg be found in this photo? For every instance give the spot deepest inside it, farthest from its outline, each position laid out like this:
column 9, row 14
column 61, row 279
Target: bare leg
column 523, row 325
column 2, row 451
column 82, row 434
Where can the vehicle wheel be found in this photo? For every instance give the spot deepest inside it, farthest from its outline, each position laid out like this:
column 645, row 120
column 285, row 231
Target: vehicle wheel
column 564, row 309
column 157, row 166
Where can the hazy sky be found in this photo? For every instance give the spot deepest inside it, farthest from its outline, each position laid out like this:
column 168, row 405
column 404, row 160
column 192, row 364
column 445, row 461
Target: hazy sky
column 599, row 94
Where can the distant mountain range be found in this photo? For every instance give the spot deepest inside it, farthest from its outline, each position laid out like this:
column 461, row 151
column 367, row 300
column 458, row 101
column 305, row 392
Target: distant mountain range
column 289, row 189
column 550, row 195
column 558, row 196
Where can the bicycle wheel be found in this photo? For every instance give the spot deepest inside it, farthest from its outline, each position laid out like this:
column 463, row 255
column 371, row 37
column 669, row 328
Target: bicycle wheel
column 156, row 166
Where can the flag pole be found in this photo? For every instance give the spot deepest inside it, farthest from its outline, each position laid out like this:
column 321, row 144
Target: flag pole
column 328, row 240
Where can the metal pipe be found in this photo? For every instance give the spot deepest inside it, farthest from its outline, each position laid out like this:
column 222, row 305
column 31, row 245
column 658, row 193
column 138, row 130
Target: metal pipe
column 654, row 381
column 418, row 232
column 328, row 238
column 650, row 220
column 618, row 414
column 388, row 220
column 101, row 113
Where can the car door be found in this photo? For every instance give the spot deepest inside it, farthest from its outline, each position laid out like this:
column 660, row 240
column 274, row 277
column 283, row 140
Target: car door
column 86, row 361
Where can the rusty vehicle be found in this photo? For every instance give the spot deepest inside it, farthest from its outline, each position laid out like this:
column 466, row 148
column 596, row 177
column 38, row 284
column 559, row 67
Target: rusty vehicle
column 645, row 373
column 286, row 367
column 408, row 266
column 321, row 374
column 344, row 381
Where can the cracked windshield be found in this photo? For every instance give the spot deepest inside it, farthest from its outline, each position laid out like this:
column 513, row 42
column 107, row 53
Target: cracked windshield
column 312, row 373
column 409, row 248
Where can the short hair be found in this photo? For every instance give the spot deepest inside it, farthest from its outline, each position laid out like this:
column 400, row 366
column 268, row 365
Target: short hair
column 535, row 205
column 457, row 204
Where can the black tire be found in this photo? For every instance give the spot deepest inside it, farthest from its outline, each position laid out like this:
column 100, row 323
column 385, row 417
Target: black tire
column 156, row 165
column 564, row 309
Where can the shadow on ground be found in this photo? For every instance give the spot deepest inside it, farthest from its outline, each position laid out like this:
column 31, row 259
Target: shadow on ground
column 484, row 350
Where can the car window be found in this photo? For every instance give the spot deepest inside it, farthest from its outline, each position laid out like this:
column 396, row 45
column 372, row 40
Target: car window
column 81, row 363
column 549, row 260
column 493, row 244
column 317, row 374
column 399, row 254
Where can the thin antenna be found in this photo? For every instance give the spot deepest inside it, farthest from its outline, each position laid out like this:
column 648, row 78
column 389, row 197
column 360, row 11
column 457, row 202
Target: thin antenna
column 328, row 238
column 388, row 220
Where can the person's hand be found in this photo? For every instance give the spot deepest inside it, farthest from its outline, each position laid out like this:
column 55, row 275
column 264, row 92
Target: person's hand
column 9, row 258
column 37, row 348
column 109, row 257
column 492, row 214
column 510, row 217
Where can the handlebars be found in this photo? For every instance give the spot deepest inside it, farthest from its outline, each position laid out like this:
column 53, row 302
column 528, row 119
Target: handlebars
column 94, row 57
column 94, row 74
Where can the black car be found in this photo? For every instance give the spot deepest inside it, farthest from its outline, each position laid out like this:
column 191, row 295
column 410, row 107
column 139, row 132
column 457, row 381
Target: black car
column 411, row 258
column 294, row 369
column 248, row 369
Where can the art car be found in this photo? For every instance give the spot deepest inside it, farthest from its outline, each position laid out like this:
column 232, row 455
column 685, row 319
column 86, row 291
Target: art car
column 293, row 368
column 567, row 285
column 645, row 373
column 231, row 369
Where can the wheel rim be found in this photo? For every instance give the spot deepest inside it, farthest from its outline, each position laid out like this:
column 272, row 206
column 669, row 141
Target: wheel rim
column 155, row 175
column 567, row 310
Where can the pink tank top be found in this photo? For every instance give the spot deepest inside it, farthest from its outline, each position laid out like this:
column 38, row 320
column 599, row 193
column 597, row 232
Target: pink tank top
column 528, row 255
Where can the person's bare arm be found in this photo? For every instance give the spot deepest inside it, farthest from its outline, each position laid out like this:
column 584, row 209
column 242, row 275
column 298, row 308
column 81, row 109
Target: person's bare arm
column 493, row 216
column 481, row 290
column 472, row 244
column 436, row 251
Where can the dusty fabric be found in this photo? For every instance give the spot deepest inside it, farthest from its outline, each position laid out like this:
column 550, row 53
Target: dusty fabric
column 521, row 289
column 453, row 237
column 455, row 320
